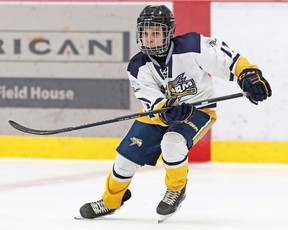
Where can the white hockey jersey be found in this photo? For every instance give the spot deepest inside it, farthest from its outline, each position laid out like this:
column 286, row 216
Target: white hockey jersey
column 191, row 61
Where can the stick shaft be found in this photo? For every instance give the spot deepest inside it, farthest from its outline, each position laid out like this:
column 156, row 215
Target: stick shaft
column 118, row 119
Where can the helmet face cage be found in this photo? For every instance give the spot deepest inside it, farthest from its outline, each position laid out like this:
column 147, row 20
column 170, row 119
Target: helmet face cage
column 159, row 33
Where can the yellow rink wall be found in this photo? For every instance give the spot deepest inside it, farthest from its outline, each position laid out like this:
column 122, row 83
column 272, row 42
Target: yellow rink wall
column 104, row 148
column 249, row 151
column 58, row 147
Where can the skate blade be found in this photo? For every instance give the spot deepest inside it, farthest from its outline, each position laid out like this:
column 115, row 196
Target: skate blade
column 80, row 218
column 85, row 219
column 163, row 218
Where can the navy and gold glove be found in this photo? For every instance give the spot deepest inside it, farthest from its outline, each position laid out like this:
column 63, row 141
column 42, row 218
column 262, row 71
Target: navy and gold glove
column 251, row 80
column 177, row 113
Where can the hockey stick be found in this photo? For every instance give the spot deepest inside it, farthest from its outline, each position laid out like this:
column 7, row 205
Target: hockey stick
column 117, row 119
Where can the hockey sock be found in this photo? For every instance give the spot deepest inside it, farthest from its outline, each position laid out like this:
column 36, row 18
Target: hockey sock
column 176, row 177
column 114, row 192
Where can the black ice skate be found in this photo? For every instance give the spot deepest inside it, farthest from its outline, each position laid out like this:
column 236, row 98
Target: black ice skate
column 98, row 208
column 170, row 203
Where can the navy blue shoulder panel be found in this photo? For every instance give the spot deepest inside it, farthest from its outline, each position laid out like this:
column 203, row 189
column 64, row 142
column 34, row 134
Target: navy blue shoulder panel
column 136, row 62
column 185, row 43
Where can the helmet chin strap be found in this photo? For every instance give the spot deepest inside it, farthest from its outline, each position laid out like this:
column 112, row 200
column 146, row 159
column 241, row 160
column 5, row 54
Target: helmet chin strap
column 167, row 53
column 161, row 55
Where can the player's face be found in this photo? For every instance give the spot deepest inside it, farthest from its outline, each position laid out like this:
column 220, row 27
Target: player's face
column 152, row 36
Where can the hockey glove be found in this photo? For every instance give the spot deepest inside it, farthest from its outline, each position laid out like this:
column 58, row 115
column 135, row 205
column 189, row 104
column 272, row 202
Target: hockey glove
column 251, row 80
column 177, row 113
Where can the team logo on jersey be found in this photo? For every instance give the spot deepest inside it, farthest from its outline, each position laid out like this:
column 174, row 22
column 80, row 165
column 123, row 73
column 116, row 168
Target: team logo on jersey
column 182, row 87
column 135, row 141
column 212, row 42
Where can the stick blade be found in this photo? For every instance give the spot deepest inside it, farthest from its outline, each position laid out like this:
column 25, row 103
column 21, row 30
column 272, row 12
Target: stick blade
column 36, row 131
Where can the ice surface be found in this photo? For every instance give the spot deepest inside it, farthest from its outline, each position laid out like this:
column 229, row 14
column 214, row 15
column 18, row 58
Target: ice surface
column 47, row 194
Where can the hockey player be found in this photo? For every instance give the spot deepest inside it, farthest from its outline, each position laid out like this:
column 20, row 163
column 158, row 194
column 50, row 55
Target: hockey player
column 171, row 71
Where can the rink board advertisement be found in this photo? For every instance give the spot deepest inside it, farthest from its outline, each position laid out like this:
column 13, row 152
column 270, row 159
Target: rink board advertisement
column 64, row 93
column 83, row 46
column 66, row 63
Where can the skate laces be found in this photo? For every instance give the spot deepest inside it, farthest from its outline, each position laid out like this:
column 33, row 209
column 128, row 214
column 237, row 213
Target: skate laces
column 99, row 207
column 170, row 197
